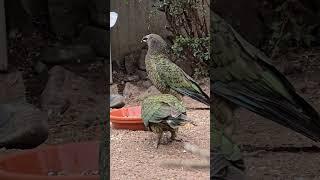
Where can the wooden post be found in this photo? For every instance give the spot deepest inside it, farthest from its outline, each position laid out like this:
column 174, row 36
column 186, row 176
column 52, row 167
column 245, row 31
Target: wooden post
column 3, row 39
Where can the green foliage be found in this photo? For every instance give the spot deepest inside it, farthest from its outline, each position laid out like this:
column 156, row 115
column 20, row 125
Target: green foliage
column 187, row 21
column 126, row 1
column 197, row 47
column 289, row 28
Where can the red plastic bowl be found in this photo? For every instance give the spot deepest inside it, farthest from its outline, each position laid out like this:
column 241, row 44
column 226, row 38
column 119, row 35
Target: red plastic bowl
column 35, row 164
column 127, row 118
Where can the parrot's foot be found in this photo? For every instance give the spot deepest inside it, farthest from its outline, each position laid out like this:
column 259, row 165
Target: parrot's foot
column 177, row 139
column 174, row 136
column 166, row 142
column 159, row 139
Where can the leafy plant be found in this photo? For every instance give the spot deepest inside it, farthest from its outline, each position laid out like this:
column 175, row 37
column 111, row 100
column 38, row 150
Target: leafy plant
column 288, row 28
column 188, row 22
column 196, row 47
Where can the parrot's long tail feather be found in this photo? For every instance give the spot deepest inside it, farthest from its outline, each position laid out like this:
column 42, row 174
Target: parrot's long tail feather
column 201, row 97
column 298, row 116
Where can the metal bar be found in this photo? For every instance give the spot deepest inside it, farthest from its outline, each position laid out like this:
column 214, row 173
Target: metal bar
column 3, row 39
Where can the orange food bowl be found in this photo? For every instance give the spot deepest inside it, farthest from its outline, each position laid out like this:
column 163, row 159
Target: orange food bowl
column 73, row 159
column 127, row 118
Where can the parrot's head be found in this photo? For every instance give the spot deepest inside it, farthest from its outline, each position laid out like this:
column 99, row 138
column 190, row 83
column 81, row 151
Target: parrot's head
column 155, row 42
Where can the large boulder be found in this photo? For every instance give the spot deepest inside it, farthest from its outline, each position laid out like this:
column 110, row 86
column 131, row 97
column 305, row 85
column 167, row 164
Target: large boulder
column 69, row 95
column 12, row 87
column 22, row 125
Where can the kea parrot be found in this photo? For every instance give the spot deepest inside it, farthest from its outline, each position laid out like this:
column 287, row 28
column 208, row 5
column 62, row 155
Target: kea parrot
column 164, row 112
column 166, row 76
column 242, row 76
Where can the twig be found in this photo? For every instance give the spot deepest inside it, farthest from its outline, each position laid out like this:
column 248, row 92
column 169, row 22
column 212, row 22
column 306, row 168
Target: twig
column 280, row 37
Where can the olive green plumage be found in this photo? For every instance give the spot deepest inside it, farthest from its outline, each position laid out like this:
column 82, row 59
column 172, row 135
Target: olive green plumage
column 242, row 74
column 162, row 113
column 167, row 77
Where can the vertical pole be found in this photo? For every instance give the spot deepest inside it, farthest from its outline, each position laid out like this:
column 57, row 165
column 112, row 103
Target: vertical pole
column 110, row 64
column 3, row 39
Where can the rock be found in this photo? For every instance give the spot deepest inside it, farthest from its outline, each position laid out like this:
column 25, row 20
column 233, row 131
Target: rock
column 141, row 62
column 132, row 78
column 40, row 67
column 152, row 90
column 96, row 38
column 54, row 97
column 117, row 101
column 68, row 54
column 131, row 90
column 66, row 16
column 22, row 126
column 146, row 84
column 12, row 87
column 68, row 95
column 114, row 89
column 142, row 74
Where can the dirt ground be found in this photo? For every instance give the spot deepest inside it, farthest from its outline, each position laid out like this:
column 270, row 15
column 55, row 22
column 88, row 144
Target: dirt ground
column 134, row 156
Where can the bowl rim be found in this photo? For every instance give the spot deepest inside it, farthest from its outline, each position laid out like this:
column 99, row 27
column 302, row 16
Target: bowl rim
column 126, row 120
column 14, row 174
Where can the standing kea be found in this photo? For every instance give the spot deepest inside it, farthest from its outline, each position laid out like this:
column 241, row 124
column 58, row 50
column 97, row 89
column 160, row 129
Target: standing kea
column 163, row 112
column 167, row 77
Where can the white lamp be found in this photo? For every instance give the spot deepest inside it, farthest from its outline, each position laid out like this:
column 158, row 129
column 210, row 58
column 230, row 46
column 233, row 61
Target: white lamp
column 113, row 20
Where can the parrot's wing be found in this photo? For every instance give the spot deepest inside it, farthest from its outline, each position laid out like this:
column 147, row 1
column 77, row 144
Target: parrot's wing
column 151, row 113
column 178, row 80
column 167, row 110
column 242, row 74
column 157, row 112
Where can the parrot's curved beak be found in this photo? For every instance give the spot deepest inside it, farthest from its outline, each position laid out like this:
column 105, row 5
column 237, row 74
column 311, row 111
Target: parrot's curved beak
column 144, row 39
